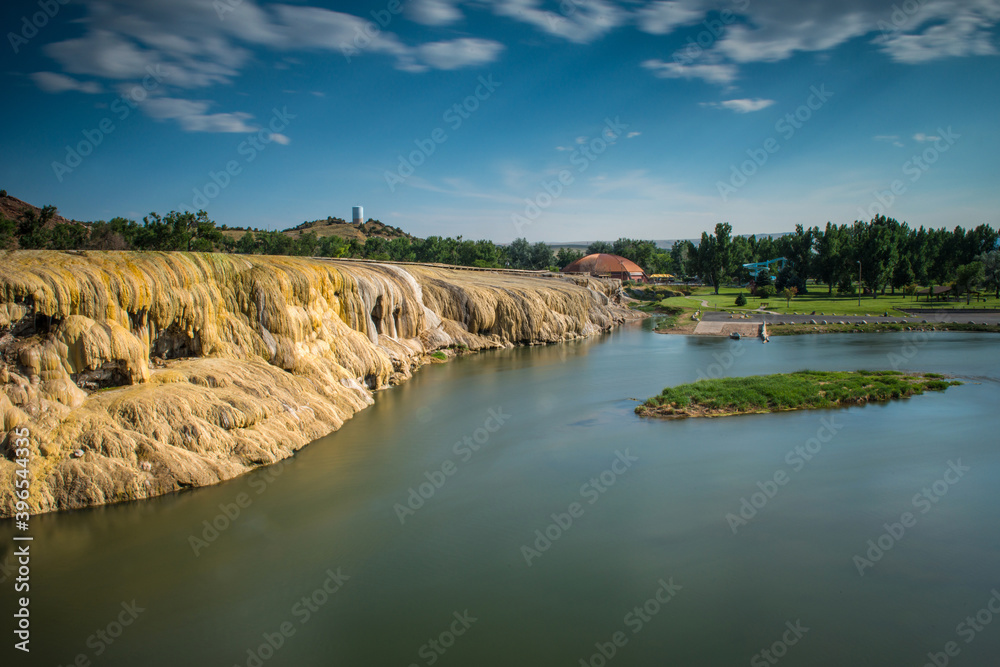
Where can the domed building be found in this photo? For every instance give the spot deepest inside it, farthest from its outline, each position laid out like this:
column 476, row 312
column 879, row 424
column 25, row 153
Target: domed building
column 603, row 265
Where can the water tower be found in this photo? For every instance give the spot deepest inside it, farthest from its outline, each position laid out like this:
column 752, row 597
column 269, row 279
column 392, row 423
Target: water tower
column 358, row 214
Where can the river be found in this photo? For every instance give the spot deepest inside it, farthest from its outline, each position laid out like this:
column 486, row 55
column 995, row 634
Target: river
column 409, row 536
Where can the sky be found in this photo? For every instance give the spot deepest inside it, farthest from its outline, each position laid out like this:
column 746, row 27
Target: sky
column 556, row 121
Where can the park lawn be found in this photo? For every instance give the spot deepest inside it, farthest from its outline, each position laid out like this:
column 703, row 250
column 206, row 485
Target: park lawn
column 787, row 391
column 816, row 300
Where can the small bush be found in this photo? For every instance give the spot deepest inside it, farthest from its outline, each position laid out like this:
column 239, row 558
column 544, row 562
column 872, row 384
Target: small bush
column 741, row 300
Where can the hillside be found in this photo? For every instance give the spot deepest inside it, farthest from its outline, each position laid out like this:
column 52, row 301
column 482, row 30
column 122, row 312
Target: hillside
column 333, row 227
column 12, row 208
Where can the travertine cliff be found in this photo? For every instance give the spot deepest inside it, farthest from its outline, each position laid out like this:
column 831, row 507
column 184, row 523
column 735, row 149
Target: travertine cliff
column 139, row 374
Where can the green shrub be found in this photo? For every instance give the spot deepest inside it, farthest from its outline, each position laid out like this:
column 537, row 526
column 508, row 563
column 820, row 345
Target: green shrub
column 741, row 300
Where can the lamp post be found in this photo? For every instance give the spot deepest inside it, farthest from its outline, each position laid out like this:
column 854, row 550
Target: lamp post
column 859, row 283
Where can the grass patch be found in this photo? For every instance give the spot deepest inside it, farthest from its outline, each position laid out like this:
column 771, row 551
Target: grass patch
column 820, row 301
column 787, row 391
column 439, row 355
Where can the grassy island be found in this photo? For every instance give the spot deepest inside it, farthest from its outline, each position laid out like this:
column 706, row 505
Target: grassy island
column 787, row 391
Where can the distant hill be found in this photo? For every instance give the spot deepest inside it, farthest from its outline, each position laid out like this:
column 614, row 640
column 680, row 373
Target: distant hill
column 347, row 230
column 12, row 207
column 332, row 227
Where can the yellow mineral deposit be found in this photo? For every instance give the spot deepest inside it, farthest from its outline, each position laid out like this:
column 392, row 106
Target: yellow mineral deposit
column 173, row 370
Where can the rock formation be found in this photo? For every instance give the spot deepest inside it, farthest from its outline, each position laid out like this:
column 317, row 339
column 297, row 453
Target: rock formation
column 138, row 374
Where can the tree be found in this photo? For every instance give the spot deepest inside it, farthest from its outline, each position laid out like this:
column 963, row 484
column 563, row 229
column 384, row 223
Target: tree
column 7, row 232
column 968, row 277
column 247, row 244
column 31, row 230
column 741, row 300
column 767, row 291
column 788, row 294
column 567, row 256
column 830, row 261
column 991, row 269
column 902, row 274
column 67, row 236
column 876, row 248
column 723, row 250
column 519, row 254
column 709, row 265
column 600, row 247
column 541, row 256
column 787, row 277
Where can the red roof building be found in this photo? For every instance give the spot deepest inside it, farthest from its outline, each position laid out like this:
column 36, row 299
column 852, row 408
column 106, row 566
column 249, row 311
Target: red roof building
column 603, row 265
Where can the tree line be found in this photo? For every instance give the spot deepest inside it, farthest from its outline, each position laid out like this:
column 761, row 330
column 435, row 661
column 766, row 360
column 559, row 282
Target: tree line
column 882, row 253
column 890, row 255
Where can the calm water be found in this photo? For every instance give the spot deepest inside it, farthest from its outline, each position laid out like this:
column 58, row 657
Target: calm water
column 658, row 519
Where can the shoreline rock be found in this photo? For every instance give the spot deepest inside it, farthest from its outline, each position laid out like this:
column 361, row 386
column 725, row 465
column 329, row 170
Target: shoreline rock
column 177, row 370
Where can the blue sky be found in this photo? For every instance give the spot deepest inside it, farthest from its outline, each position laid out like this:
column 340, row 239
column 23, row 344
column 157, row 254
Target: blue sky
column 558, row 121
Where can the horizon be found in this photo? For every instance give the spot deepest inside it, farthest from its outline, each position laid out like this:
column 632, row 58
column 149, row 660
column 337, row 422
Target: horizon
column 547, row 121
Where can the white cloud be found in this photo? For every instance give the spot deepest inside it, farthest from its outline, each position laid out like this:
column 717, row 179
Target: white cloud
column 720, row 73
column 466, row 52
column 580, row 21
column 890, row 138
column 192, row 117
column 51, row 82
column 745, row 105
column 967, row 33
column 631, row 135
column 663, row 16
column 923, row 138
column 280, row 138
column 433, row 12
column 195, row 44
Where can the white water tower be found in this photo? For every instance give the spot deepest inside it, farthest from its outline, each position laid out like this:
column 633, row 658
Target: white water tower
column 358, row 214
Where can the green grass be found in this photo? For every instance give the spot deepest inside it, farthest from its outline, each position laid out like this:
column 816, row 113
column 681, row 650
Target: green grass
column 439, row 355
column 818, row 300
column 672, row 318
column 787, row 391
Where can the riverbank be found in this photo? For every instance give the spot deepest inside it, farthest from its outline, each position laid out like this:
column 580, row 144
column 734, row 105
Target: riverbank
column 723, row 397
column 694, row 321
column 139, row 374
